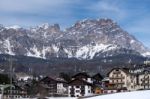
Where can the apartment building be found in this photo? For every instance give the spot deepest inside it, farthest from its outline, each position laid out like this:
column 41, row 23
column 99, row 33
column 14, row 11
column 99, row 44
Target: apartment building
column 80, row 85
column 144, row 80
column 130, row 79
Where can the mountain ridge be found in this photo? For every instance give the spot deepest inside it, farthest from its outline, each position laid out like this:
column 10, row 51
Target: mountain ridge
column 86, row 39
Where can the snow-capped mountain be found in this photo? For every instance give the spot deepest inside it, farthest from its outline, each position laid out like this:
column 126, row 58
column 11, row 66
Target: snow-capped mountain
column 13, row 27
column 86, row 39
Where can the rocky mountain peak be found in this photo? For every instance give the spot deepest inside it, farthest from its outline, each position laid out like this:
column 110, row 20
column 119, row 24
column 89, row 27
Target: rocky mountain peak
column 15, row 27
column 1, row 26
column 86, row 39
column 46, row 26
column 93, row 22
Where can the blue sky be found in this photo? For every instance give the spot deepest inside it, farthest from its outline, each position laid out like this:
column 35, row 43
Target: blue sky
column 132, row 15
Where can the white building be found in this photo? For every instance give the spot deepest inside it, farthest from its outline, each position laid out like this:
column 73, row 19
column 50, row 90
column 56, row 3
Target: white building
column 122, row 78
column 80, row 85
column 83, row 76
column 130, row 79
column 147, row 62
column 78, row 88
column 62, row 88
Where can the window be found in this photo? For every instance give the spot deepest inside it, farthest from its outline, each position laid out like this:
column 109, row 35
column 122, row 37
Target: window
column 77, row 86
column 77, row 91
column 121, row 75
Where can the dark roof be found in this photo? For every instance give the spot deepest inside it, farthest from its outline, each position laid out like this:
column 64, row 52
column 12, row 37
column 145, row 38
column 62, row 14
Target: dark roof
column 47, row 79
column 146, row 71
column 14, row 87
column 79, row 82
column 98, row 76
column 81, row 75
column 106, row 88
column 132, row 71
column 43, row 85
column 59, row 80
column 126, row 70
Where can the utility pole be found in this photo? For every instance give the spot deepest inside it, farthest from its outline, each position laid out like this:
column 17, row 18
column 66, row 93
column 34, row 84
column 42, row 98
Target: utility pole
column 11, row 74
column 75, row 69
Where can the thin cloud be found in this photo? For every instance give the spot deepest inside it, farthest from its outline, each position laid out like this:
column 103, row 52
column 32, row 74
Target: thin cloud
column 31, row 5
column 108, row 8
column 140, row 26
column 34, row 11
column 133, row 15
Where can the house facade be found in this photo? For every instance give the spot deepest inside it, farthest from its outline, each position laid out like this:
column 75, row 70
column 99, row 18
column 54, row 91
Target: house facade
column 118, row 77
column 78, row 87
column 83, row 76
column 122, row 78
column 54, row 86
column 14, row 92
column 147, row 62
column 51, row 85
column 126, row 78
column 97, row 83
column 144, row 80
column 62, row 87
column 81, row 84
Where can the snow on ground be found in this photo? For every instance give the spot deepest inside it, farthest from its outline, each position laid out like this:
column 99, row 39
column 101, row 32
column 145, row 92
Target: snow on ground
column 126, row 95
column 62, row 98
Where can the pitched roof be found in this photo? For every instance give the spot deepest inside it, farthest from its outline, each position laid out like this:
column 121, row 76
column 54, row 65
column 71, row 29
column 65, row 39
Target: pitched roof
column 82, row 75
column 126, row 70
column 98, row 76
column 47, row 79
column 79, row 82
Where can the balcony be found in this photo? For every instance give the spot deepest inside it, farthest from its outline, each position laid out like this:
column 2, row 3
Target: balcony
column 117, row 83
column 117, row 77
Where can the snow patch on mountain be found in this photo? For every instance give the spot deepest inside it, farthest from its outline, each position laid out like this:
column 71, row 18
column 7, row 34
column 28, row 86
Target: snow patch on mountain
column 8, row 46
column 44, row 26
column 34, row 52
column 132, row 41
column 146, row 54
column 55, row 48
column 13, row 27
column 84, row 40
column 1, row 29
column 89, row 51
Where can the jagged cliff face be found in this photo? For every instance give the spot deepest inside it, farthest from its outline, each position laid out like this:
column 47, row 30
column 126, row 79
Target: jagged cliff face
column 86, row 39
